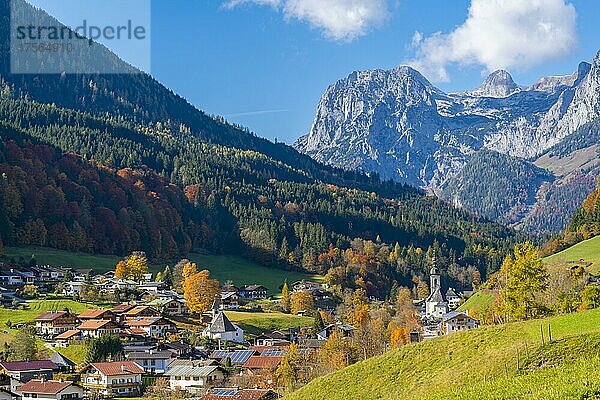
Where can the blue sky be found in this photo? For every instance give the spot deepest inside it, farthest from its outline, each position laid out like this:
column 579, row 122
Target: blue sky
column 265, row 63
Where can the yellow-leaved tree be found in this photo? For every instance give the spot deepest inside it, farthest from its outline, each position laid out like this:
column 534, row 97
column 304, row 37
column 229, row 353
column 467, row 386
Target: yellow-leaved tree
column 523, row 278
column 200, row 291
column 302, row 301
column 133, row 267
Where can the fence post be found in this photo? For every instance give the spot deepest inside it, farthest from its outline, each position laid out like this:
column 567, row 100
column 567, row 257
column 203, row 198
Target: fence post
column 542, row 331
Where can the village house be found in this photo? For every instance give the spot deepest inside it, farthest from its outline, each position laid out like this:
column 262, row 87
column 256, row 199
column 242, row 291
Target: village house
column 97, row 314
column 23, row 371
column 140, row 311
column 262, row 363
column 154, row 327
column 271, row 339
column 453, row 299
column 240, row 394
column 53, row 323
column 152, row 361
column 73, row 288
column 194, row 377
column 150, row 287
column 68, row 337
column 17, row 278
column 113, row 379
column 94, row 328
column 120, row 310
column 457, row 321
column 50, row 390
column 254, row 292
column 344, row 329
column 230, row 300
column 171, row 307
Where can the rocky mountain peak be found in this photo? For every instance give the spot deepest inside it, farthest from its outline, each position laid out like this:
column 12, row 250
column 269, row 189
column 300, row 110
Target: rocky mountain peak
column 498, row 84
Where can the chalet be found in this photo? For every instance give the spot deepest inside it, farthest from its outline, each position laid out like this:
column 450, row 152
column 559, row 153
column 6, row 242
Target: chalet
column 229, row 288
column 254, row 292
column 97, row 314
column 50, row 390
column 230, row 300
column 180, row 349
column 344, row 329
column 53, row 323
column 113, row 379
column 14, row 277
column 194, row 377
column 151, row 287
column 94, row 328
column 24, row 371
column 220, row 328
column 70, row 336
column 453, row 299
column 64, row 364
column 154, row 327
column 262, row 363
column 240, row 394
column 73, row 288
column 172, row 307
column 141, row 311
column 271, row 339
column 456, row 321
column 120, row 310
column 153, row 362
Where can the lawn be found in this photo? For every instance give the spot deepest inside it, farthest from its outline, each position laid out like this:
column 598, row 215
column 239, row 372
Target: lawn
column 493, row 362
column 257, row 323
column 588, row 250
column 477, row 303
column 222, row 267
column 34, row 309
column 242, row 271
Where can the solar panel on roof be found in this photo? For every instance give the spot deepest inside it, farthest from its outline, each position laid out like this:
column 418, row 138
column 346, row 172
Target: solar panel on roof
column 220, row 354
column 224, row 392
column 240, row 356
column 272, row 353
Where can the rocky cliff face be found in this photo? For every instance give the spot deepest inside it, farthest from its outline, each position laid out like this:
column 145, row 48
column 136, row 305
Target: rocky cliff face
column 399, row 125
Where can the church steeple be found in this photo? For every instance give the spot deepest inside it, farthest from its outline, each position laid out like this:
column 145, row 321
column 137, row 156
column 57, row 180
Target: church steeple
column 434, row 278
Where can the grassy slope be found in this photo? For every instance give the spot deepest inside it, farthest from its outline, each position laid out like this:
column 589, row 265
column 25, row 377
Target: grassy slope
column 36, row 307
column 223, row 268
column 589, row 250
column 478, row 302
column 478, row 364
column 257, row 323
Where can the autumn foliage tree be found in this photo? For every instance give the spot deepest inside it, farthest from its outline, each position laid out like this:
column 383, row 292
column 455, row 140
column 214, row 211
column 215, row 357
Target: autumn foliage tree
column 133, row 267
column 302, row 301
column 285, row 298
column 522, row 276
column 200, row 291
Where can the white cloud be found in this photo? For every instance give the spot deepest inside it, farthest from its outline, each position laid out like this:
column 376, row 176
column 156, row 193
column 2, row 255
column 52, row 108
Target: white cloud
column 343, row 20
column 500, row 34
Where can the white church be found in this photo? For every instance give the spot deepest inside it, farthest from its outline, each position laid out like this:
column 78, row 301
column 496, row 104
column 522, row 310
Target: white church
column 435, row 305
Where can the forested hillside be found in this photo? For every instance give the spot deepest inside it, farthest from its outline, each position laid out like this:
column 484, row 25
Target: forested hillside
column 235, row 193
column 501, row 187
column 584, row 225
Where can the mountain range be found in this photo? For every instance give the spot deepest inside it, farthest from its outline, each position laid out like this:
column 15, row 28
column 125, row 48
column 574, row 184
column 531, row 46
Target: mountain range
column 397, row 124
column 114, row 163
